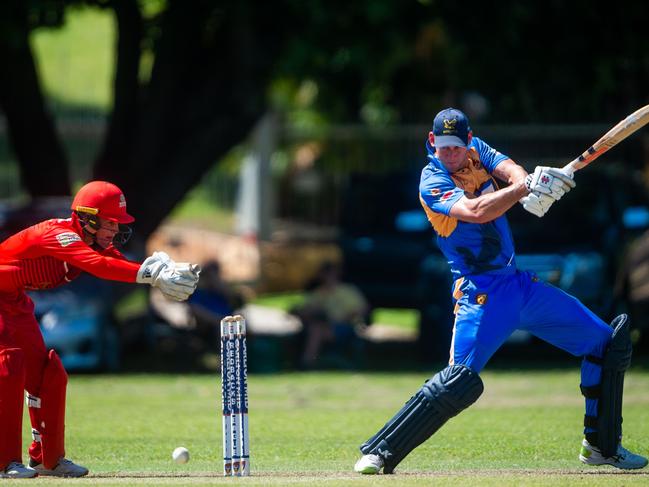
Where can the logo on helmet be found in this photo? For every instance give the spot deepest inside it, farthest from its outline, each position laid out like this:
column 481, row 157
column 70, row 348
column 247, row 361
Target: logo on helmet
column 449, row 126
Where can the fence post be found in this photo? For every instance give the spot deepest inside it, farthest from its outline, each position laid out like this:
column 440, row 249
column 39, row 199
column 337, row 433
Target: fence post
column 256, row 198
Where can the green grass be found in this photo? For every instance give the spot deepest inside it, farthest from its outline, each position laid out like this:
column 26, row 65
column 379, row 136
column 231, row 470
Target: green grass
column 198, row 210
column 283, row 301
column 406, row 319
column 306, row 428
column 75, row 62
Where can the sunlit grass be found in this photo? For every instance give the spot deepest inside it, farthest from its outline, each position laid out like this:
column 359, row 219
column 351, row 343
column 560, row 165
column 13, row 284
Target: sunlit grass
column 306, row 429
column 75, row 61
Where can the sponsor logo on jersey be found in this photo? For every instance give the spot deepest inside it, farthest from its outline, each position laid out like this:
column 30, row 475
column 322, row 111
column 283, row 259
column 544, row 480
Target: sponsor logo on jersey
column 67, row 238
column 446, row 196
column 435, row 191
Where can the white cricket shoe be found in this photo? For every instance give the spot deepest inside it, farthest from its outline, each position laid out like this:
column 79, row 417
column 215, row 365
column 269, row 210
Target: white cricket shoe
column 369, row 464
column 16, row 470
column 623, row 459
column 65, row 468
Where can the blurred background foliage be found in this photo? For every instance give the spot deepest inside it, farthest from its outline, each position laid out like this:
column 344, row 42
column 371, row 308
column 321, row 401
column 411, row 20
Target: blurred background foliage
column 203, row 73
column 172, row 100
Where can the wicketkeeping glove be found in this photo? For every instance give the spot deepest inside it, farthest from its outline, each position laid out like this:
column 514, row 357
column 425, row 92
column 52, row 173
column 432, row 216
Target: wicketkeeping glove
column 175, row 281
column 537, row 204
column 187, row 276
column 551, row 181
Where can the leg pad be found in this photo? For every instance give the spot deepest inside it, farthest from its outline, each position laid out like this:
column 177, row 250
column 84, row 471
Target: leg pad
column 450, row 391
column 615, row 362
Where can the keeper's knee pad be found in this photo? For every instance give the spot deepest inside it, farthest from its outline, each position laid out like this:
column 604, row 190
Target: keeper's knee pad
column 450, row 391
column 47, row 413
column 609, row 391
column 12, row 385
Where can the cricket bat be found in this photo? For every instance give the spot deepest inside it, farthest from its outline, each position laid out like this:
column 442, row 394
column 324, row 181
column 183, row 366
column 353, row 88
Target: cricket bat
column 617, row 134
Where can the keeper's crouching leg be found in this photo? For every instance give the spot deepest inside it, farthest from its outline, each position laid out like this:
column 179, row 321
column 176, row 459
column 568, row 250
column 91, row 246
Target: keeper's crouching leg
column 12, row 385
column 445, row 395
column 47, row 414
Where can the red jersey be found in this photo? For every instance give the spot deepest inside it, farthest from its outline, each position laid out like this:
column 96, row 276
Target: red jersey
column 52, row 253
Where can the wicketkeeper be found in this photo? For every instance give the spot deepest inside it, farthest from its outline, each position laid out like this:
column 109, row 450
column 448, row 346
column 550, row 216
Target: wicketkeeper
column 466, row 208
column 45, row 256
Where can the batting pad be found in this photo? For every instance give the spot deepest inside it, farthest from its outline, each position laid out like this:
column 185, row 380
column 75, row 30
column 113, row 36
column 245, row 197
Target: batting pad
column 616, row 361
column 445, row 395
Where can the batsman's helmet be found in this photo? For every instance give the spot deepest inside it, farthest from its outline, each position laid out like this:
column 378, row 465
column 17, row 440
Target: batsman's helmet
column 102, row 199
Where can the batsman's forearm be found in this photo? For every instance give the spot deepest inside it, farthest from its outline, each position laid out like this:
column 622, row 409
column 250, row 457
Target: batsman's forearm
column 492, row 205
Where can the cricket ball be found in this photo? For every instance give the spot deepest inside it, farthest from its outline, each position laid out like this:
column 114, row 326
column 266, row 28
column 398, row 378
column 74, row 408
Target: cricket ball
column 180, row 455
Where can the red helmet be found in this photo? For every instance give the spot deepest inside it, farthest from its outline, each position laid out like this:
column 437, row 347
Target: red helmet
column 104, row 200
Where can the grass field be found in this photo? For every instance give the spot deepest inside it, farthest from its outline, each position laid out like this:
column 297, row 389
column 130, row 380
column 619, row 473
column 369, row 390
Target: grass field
column 306, row 428
column 75, row 62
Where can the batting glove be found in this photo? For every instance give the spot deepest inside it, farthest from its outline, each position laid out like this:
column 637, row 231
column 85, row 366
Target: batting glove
column 537, row 204
column 550, row 181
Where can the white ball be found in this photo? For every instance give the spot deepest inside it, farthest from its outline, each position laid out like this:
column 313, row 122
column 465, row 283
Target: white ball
column 180, row 455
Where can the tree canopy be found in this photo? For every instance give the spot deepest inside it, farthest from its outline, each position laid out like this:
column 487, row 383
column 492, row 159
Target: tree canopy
column 218, row 66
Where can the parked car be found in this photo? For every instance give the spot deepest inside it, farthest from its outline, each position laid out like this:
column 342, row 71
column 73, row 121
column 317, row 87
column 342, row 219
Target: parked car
column 389, row 248
column 76, row 319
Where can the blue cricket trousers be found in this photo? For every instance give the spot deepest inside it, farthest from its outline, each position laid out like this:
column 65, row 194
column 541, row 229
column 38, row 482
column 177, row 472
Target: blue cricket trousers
column 490, row 307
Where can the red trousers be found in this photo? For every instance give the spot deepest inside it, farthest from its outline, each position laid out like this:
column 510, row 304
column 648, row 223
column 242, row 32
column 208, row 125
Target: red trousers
column 19, row 330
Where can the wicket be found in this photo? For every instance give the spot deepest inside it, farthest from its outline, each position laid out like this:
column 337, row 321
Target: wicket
column 234, row 389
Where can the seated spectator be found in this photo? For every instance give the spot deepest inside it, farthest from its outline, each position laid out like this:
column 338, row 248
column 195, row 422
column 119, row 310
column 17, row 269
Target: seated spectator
column 200, row 316
column 330, row 312
column 214, row 299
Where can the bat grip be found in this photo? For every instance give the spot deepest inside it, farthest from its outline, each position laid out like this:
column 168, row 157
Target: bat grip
column 570, row 168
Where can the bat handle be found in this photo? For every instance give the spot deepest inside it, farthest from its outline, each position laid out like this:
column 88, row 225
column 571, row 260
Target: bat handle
column 571, row 167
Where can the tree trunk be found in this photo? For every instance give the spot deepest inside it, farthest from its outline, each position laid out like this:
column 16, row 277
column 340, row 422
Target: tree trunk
column 43, row 164
column 120, row 134
column 205, row 95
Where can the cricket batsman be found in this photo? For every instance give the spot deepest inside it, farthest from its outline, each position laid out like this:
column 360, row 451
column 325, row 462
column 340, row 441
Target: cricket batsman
column 465, row 206
column 44, row 256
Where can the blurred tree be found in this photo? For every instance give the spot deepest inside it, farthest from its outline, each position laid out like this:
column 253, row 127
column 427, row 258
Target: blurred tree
column 44, row 167
column 218, row 64
column 206, row 89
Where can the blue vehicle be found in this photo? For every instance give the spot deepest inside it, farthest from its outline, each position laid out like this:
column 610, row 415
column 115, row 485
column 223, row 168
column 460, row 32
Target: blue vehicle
column 77, row 321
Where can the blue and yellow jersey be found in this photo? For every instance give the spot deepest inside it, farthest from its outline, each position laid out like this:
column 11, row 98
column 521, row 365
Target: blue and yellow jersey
column 470, row 248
